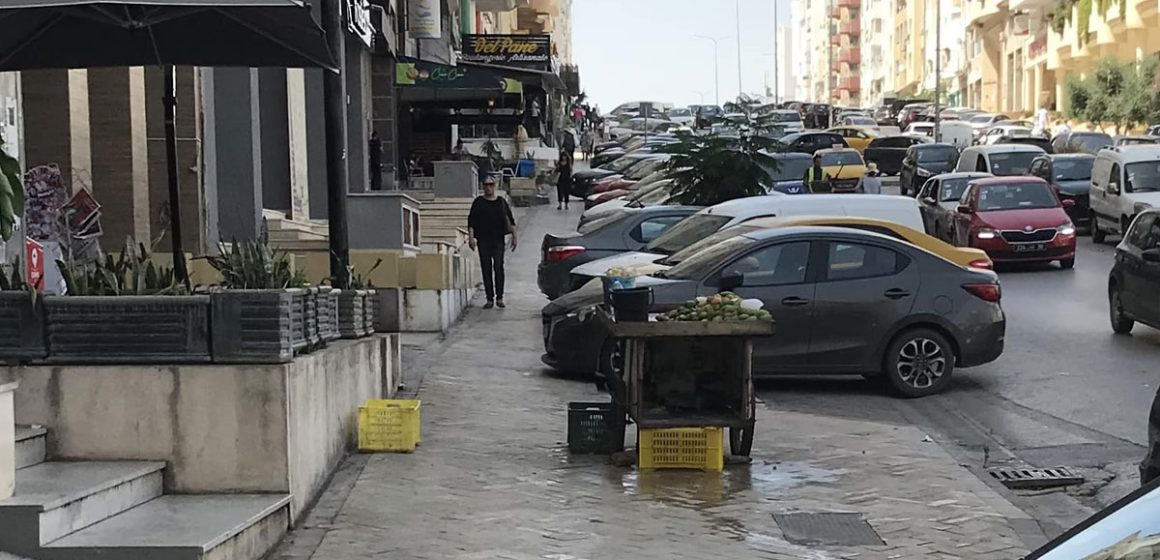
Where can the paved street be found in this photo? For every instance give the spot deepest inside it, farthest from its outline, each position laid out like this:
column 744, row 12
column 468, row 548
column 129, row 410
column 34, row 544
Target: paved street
column 492, row 478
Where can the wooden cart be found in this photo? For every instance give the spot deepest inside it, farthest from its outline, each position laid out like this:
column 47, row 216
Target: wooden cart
column 710, row 359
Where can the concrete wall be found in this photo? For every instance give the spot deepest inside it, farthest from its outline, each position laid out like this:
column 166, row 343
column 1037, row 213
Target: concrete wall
column 254, row 428
column 7, row 438
column 375, row 219
column 233, row 157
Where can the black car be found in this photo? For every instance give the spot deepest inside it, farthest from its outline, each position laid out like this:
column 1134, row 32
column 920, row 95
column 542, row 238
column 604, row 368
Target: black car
column 1134, row 282
column 1081, row 142
column 1071, row 177
column 810, row 142
column 627, row 229
column 1150, row 466
column 887, row 152
column 923, row 161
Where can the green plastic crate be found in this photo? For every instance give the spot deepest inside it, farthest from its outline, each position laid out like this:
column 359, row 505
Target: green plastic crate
column 592, row 428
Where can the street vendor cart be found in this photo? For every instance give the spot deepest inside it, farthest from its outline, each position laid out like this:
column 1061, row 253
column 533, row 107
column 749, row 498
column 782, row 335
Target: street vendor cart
column 687, row 374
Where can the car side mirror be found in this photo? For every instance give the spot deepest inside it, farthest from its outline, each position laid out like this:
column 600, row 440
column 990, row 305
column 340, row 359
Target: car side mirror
column 730, row 281
column 964, row 209
column 928, row 201
column 1068, row 203
column 1113, row 188
column 1151, row 255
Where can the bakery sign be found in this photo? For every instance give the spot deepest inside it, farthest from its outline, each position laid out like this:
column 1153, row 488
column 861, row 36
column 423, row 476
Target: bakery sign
column 519, row 51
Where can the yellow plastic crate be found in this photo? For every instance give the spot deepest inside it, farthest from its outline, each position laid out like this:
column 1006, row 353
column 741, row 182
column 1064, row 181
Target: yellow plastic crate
column 683, row 448
column 388, row 425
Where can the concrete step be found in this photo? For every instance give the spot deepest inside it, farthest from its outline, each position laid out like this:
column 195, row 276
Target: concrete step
column 54, row 499
column 183, row 527
column 30, row 446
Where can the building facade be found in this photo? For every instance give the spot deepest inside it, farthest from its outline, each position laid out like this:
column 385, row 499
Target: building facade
column 846, row 52
column 877, row 46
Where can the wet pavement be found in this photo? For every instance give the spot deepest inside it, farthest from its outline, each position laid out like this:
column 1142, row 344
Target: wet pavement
column 493, row 479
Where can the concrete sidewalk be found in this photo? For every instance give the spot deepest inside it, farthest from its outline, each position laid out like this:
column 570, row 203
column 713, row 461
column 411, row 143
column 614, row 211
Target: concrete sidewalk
column 493, row 479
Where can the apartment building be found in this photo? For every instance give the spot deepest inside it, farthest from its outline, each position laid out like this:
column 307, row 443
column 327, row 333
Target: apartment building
column 846, row 51
column 877, row 46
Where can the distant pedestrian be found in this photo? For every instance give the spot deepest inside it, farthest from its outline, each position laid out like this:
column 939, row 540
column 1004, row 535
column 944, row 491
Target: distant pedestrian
column 816, row 180
column 1040, row 128
column 1061, row 129
column 564, row 182
column 587, row 141
column 488, row 223
column 871, row 181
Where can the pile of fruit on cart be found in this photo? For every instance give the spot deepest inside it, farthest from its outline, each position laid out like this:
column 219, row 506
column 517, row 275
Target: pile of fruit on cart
column 725, row 306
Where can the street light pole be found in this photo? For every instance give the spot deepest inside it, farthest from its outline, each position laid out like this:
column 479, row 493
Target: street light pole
column 776, row 73
column 937, row 66
column 738, row 13
column 716, row 69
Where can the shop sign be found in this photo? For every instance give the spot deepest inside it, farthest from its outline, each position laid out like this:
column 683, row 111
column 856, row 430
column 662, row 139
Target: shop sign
column 34, row 256
column 1038, row 47
column 421, row 73
column 519, row 51
column 423, row 19
column 358, row 20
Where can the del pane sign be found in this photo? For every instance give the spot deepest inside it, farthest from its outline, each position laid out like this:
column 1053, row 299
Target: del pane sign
column 533, row 52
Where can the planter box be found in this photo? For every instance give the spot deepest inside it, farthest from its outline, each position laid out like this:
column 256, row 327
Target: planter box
column 352, row 313
column 127, row 329
column 313, row 336
column 21, row 327
column 258, row 326
column 328, row 314
column 370, row 310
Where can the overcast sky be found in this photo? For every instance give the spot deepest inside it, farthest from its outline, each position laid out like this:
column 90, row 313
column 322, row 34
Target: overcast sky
column 632, row 50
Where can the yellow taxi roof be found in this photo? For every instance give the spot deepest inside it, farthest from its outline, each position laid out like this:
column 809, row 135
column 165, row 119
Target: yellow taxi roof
column 824, row 151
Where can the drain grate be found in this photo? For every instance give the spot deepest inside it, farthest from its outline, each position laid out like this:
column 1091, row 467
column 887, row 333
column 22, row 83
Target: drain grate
column 840, row 529
column 1022, row 478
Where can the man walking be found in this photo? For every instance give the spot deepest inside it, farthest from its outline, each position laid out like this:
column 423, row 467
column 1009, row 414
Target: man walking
column 488, row 222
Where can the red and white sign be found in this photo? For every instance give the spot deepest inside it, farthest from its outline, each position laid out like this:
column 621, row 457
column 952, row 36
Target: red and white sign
column 34, row 257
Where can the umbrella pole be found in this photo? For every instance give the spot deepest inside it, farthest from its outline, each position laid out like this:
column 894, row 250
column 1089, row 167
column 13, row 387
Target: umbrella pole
column 179, row 272
column 334, row 100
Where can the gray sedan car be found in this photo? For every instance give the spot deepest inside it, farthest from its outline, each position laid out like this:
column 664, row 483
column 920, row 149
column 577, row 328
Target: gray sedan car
column 845, row 301
column 627, row 229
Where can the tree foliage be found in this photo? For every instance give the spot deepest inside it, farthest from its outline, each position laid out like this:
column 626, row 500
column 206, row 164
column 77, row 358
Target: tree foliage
column 1123, row 94
column 708, row 169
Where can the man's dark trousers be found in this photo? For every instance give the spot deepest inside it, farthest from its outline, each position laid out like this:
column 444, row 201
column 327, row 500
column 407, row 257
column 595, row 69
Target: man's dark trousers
column 491, row 263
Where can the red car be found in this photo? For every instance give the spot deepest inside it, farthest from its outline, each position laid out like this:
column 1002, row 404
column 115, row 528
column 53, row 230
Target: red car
column 1015, row 219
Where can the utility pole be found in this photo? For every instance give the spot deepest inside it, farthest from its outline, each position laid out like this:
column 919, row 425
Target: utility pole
column 716, row 69
column 776, row 73
column 334, row 101
column 937, row 66
column 738, row 12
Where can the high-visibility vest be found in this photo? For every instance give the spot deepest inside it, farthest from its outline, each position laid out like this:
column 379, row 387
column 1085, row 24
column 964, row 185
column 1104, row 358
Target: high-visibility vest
column 810, row 177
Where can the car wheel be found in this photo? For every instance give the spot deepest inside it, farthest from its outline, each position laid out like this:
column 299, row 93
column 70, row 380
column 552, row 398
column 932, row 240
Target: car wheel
column 1067, row 264
column 1098, row 234
column 1121, row 324
column 919, row 363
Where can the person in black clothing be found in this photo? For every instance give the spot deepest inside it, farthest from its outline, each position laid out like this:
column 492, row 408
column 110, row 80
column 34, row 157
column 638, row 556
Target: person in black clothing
column 488, row 222
column 816, row 180
column 564, row 183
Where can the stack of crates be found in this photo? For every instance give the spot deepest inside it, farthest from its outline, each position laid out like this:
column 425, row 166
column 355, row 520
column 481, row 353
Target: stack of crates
column 682, row 448
column 388, row 425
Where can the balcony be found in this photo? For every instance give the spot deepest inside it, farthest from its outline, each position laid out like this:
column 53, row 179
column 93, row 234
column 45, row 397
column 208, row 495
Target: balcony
column 835, row 39
column 851, row 84
column 835, row 10
column 850, row 28
column 850, row 55
column 854, row 4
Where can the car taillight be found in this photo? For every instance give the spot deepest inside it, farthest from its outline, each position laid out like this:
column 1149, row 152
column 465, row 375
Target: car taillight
column 563, row 253
column 985, row 292
column 983, row 263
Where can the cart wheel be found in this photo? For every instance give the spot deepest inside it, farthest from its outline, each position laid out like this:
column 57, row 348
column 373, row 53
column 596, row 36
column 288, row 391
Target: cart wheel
column 741, row 440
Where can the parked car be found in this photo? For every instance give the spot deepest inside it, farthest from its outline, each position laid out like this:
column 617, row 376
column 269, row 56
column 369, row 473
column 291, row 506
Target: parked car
column 920, row 128
column 633, row 173
column 887, row 152
column 789, row 176
column 1150, row 466
column 857, row 137
column 682, row 115
column 983, row 121
column 1134, row 140
column 1126, row 530
column 1134, row 282
column 999, row 160
column 956, row 133
column 810, row 142
column 1071, row 177
column 995, row 133
column 844, row 168
column 1041, row 142
column 923, row 161
column 790, row 121
column 1125, row 182
column 583, row 181
column 824, row 285
column 1153, row 130
column 1085, row 142
column 1015, row 219
column 897, row 209
column 858, row 120
column 911, row 114
column 655, row 194
column 629, row 229
column 938, row 200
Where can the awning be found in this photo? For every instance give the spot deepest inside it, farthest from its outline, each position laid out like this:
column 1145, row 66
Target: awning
column 549, row 80
column 410, row 72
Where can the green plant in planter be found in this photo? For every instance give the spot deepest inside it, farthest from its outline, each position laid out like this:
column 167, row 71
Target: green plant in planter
column 11, row 193
column 253, row 265
column 12, row 280
column 131, row 273
column 362, row 281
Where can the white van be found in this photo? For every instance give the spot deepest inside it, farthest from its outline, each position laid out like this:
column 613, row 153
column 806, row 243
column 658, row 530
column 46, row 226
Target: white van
column 999, row 159
column 958, row 133
column 1125, row 182
column 899, row 209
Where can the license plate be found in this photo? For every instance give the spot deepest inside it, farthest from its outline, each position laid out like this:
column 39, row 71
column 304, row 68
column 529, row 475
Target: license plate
column 1030, row 247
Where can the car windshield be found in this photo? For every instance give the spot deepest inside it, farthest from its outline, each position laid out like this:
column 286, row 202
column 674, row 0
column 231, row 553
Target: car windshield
column 620, row 165
column 723, row 235
column 680, row 113
column 643, row 169
column 830, row 159
column 689, row 231
column 606, row 220
column 951, row 190
column 1130, row 532
column 1089, row 142
column 1143, row 176
column 787, row 116
column 1017, row 196
column 1072, row 169
column 1011, row 163
column 651, row 194
column 982, row 119
column 790, row 169
column 938, row 154
column 702, row 263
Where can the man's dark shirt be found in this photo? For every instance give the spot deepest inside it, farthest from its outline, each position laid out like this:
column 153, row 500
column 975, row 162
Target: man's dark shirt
column 489, row 219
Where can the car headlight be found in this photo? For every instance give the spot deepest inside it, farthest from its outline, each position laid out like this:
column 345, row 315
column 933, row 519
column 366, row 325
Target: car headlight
column 986, row 233
column 922, row 172
column 1066, row 229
